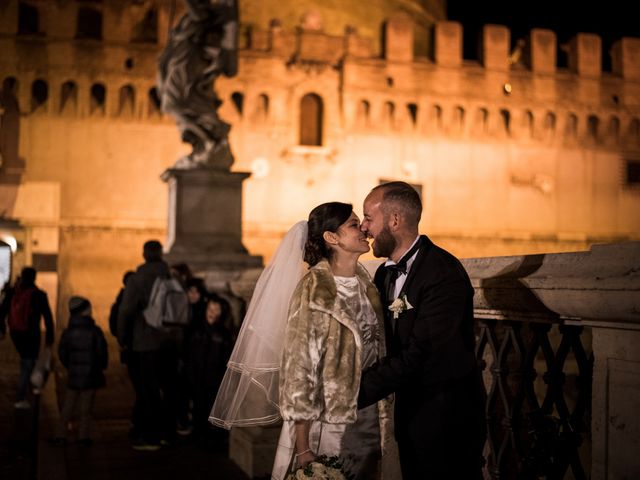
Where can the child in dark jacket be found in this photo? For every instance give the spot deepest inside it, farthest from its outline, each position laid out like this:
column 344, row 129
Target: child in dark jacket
column 83, row 352
column 210, row 346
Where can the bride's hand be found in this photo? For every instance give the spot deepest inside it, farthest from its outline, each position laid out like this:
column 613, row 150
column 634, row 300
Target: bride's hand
column 305, row 459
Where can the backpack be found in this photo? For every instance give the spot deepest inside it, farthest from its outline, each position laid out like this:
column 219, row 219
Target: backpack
column 20, row 309
column 168, row 305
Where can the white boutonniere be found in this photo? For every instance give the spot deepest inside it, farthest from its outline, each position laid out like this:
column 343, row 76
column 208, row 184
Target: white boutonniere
column 400, row 305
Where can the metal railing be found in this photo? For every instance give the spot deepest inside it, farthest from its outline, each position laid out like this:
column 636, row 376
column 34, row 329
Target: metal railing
column 536, row 321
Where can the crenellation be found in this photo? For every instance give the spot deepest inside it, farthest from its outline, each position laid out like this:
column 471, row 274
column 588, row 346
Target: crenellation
column 117, row 23
column 398, row 38
column 318, row 47
column 625, row 58
column 542, row 54
column 448, row 44
column 356, row 46
column 396, row 93
column 276, row 39
column 585, row 55
column 61, row 20
column 496, row 40
column 9, row 17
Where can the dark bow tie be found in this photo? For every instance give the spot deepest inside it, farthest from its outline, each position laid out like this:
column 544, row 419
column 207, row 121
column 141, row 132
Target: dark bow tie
column 394, row 270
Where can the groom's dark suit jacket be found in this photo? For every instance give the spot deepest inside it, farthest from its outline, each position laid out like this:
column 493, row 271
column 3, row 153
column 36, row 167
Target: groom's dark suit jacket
column 430, row 362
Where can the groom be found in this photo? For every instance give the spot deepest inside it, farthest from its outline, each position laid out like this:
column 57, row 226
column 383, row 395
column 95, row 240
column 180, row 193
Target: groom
column 430, row 363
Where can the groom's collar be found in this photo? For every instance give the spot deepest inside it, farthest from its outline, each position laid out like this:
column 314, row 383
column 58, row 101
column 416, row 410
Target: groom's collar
column 410, row 260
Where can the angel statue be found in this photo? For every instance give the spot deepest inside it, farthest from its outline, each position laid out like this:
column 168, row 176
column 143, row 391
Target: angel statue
column 200, row 47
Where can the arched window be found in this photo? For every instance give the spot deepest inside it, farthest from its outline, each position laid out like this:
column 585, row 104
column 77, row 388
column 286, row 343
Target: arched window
column 261, row 111
column 412, row 110
column 390, row 114
column 311, row 120
column 505, row 115
column 436, row 117
column 237, row 98
column 483, row 120
column 28, row 19
column 126, row 100
column 614, row 129
column 528, row 124
column 458, row 119
column 68, row 97
column 89, row 23
column 571, row 129
column 154, row 108
column 363, row 114
column 39, row 94
column 98, row 98
column 592, row 127
column 550, row 122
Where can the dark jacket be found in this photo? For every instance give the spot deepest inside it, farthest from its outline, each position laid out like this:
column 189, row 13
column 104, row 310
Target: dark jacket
column 433, row 343
column 130, row 317
column 27, row 343
column 83, row 352
column 113, row 313
column 208, row 352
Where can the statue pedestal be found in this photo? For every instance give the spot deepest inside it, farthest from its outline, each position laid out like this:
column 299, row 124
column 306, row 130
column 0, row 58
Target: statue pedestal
column 205, row 220
column 254, row 448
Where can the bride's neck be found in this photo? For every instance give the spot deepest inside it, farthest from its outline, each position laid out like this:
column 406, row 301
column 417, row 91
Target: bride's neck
column 343, row 266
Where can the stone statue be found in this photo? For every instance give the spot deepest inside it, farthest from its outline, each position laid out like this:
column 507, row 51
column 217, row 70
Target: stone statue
column 200, row 47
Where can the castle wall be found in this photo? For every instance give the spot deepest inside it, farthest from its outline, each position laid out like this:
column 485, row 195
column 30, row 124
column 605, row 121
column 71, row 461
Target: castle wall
column 512, row 154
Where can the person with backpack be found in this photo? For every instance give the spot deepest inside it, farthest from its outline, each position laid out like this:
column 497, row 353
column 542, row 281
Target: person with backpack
column 83, row 352
column 24, row 306
column 154, row 344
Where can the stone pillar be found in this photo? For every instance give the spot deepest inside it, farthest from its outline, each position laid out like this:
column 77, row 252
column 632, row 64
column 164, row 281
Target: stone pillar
column 253, row 449
column 585, row 55
column 495, row 47
column 205, row 220
column 398, row 44
column 276, row 37
column 543, row 51
column 615, row 424
column 448, row 44
column 625, row 58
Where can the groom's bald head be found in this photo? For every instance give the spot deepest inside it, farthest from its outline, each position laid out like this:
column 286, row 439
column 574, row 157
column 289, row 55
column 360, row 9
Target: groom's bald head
column 402, row 199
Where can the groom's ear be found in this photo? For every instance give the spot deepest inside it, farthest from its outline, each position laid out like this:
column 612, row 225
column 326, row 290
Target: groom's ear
column 330, row 237
column 395, row 220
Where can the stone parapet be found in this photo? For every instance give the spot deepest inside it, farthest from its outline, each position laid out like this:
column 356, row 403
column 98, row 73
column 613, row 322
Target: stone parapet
column 550, row 316
column 600, row 285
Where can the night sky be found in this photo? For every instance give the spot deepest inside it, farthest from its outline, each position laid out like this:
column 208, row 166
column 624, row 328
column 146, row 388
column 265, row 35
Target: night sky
column 611, row 19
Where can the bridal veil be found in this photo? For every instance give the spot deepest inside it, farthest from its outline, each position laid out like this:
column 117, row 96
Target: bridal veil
column 248, row 394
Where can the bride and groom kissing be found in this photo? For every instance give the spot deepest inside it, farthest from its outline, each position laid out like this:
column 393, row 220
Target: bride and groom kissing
column 325, row 349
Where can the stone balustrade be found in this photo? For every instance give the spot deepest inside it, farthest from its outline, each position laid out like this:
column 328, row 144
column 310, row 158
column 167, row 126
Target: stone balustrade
column 556, row 336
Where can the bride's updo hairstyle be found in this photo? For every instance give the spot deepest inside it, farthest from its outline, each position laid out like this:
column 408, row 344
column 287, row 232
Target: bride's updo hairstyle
column 324, row 218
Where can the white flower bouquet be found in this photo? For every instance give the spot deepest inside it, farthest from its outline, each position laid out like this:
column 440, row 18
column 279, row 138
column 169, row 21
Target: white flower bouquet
column 322, row 468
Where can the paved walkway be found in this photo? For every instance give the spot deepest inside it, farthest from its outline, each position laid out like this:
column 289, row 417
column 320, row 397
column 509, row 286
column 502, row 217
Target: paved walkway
column 26, row 453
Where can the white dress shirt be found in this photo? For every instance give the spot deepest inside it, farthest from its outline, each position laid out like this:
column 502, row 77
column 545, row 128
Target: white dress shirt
column 402, row 277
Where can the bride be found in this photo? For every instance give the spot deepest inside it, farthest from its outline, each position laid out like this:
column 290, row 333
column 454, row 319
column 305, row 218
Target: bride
column 303, row 345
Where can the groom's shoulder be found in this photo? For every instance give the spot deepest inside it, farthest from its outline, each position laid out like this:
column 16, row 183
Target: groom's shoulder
column 436, row 258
